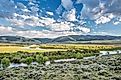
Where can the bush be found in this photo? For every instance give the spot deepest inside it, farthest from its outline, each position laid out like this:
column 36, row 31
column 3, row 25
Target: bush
column 29, row 60
column 103, row 73
column 39, row 58
column 23, row 60
column 16, row 60
column 79, row 56
column 45, row 59
column 5, row 62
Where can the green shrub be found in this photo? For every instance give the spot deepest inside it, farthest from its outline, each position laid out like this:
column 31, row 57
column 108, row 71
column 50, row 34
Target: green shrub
column 39, row 58
column 29, row 60
column 79, row 56
column 16, row 59
column 23, row 60
column 103, row 73
column 45, row 59
column 5, row 62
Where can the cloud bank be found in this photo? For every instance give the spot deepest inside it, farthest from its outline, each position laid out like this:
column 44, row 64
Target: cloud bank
column 47, row 18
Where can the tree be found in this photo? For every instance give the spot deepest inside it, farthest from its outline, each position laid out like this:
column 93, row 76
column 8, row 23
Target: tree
column 29, row 60
column 79, row 56
column 39, row 58
column 5, row 62
column 45, row 59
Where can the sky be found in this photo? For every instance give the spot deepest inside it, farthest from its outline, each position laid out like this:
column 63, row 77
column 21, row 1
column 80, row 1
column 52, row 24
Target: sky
column 53, row 18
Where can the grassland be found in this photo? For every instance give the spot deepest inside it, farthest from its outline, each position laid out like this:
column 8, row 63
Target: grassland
column 76, row 46
column 11, row 48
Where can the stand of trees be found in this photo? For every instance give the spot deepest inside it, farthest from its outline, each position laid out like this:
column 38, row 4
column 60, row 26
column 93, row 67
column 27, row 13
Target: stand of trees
column 42, row 57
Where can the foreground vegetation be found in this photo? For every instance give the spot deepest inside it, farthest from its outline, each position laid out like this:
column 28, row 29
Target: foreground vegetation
column 101, row 68
column 42, row 57
column 48, row 52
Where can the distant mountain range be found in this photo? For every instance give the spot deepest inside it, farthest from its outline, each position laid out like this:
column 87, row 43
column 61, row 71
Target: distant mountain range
column 17, row 39
column 62, row 39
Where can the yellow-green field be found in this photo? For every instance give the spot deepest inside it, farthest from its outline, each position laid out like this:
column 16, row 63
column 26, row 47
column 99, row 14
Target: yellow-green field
column 10, row 48
column 76, row 46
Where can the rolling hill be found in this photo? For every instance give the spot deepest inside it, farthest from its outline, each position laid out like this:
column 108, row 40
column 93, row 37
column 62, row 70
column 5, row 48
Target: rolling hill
column 62, row 39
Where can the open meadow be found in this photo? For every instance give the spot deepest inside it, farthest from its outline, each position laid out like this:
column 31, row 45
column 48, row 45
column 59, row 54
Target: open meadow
column 11, row 48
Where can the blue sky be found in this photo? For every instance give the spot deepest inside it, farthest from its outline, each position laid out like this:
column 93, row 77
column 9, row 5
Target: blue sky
column 53, row 18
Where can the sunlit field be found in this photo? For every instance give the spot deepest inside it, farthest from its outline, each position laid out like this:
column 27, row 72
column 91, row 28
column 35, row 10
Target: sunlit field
column 76, row 46
column 10, row 48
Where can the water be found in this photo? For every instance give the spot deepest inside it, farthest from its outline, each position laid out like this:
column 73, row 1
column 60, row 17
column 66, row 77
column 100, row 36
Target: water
column 17, row 65
column 65, row 60
column 47, row 63
column 91, row 57
column 103, row 53
column 12, row 65
column 35, row 63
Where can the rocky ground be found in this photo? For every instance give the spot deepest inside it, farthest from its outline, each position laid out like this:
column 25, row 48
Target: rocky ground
column 101, row 68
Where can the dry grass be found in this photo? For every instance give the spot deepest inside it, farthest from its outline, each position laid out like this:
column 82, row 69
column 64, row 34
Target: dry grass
column 76, row 46
column 11, row 49
column 49, row 47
